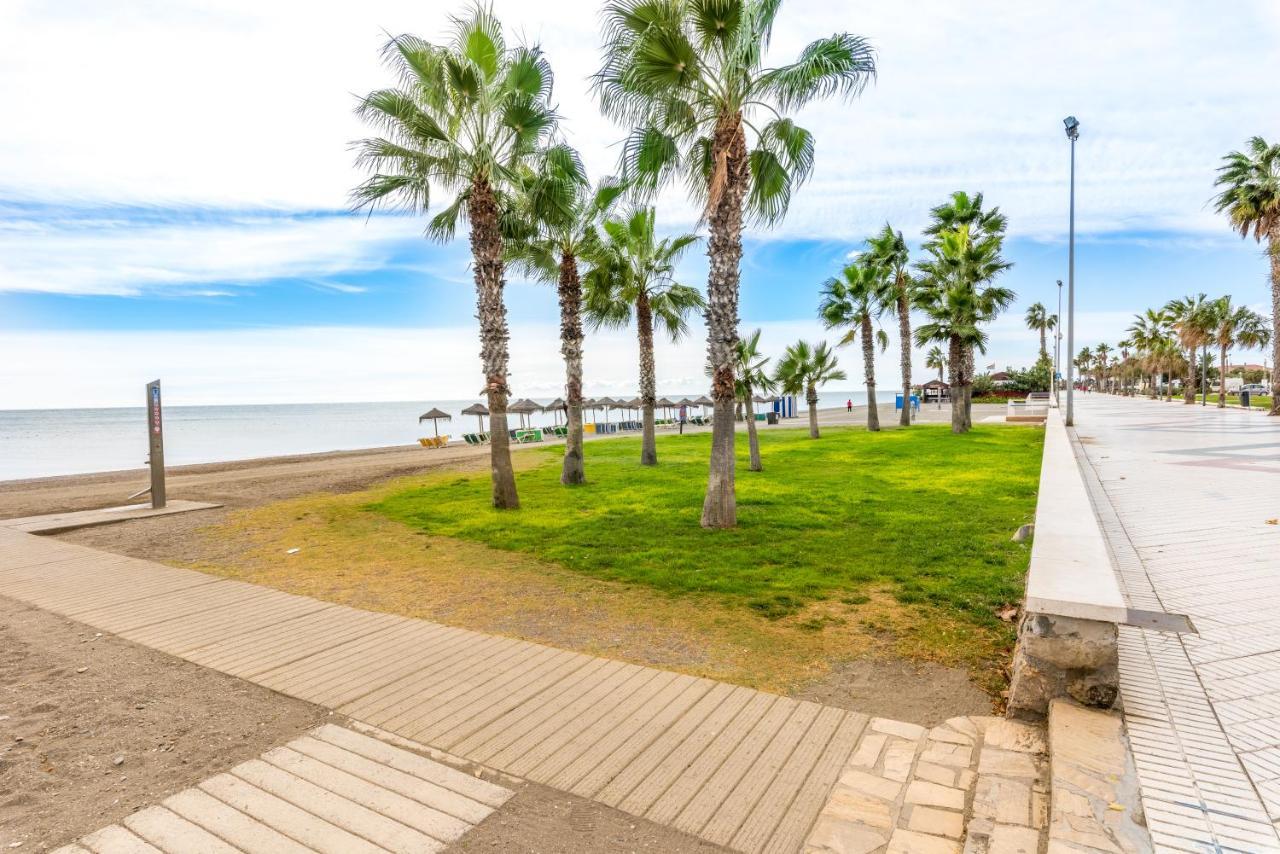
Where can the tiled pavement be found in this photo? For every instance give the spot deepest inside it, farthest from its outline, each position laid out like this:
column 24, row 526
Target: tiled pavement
column 333, row 790
column 1189, row 498
column 737, row 767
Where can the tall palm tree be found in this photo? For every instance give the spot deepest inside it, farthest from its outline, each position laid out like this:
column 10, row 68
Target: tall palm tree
column 1040, row 320
column 1189, row 317
column 1235, row 325
column 936, row 360
column 465, row 117
column 957, row 296
column 689, row 77
column 1250, row 196
column 1147, row 332
column 856, row 299
column 634, row 273
column 560, row 212
column 804, row 368
column 888, row 249
column 1084, row 360
column 1101, row 360
column 752, row 376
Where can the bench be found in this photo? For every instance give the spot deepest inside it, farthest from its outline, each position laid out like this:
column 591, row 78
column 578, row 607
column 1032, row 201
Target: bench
column 1067, row 636
column 1033, row 409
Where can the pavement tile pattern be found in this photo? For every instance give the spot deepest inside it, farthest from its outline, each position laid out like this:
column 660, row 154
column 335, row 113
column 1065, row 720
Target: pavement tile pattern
column 332, row 790
column 1188, row 497
column 977, row 785
column 736, row 767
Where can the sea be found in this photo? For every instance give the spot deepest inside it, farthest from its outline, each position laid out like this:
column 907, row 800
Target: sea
column 48, row 442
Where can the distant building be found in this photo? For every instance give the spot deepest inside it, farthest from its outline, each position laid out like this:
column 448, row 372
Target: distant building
column 935, row 391
column 1001, row 379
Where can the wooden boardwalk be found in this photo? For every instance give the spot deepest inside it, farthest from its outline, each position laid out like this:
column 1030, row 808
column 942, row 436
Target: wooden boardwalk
column 737, row 767
column 333, row 790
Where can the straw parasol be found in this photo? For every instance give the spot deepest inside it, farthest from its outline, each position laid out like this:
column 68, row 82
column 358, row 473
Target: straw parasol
column 666, row 404
column 762, row 399
column 435, row 415
column 607, row 403
column 524, row 407
column 479, row 410
column 556, row 407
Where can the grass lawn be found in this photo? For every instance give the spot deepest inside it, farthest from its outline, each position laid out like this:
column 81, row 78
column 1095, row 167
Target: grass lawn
column 882, row 548
column 922, row 512
column 1256, row 401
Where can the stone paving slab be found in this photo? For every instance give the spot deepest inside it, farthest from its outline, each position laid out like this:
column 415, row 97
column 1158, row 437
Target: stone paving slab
column 741, row 768
column 332, row 790
column 56, row 523
column 1187, row 496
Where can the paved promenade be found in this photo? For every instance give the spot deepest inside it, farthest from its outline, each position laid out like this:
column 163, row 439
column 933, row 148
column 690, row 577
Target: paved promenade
column 1189, row 499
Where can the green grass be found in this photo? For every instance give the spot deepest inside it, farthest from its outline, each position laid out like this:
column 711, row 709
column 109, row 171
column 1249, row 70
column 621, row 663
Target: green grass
column 922, row 513
column 1256, row 401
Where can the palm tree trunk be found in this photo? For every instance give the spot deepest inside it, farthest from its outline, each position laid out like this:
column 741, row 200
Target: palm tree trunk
column 753, row 439
column 1222, row 377
column 869, row 371
column 571, row 348
column 1189, row 393
column 1155, row 386
column 904, row 333
column 486, row 254
column 957, row 396
column 648, row 384
column 811, row 397
column 1044, row 353
column 967, row 366
column 1273, row 247
column 724, row 250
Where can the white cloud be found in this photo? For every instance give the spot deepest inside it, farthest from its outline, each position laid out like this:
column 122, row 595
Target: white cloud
column 236, row 102
column 322, row 364
column 123, row 257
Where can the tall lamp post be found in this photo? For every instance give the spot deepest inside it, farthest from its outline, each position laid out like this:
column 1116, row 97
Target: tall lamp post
column 1057, row 350
column 1072, row 126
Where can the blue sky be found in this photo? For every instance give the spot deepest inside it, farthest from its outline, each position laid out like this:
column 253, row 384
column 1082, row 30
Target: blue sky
column 179, row 209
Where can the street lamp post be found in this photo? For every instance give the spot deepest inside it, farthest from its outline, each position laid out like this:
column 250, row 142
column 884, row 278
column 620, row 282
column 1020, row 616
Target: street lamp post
column 1073, row 133
column 1057, row 350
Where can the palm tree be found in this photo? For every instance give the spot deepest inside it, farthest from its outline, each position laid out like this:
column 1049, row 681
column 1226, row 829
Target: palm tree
column 805, row 367
column 957, row 296
column 1189, row 319
column 1147, row 332
column 1084, row 362
column 749, row 369
column 561, row 211
column 634, row 272
column 1235, row 325
column 688, row 76
column 1251, row 199
column 856, row 299
column 936, row 360
column 1101, row 355
column 1040, row 320
column 888, row 249
column 465, row 118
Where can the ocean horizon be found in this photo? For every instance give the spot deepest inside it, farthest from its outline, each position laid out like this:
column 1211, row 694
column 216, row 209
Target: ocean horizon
column 49, row 442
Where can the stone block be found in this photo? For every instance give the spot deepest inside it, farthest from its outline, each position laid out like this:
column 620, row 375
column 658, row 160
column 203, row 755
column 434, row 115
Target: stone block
column 1063, row 657
column 1003, row 801
column 911, row 842
column 898, row 757
column 868, row 752
column 936, row 774
column 835, row 836
column 933, row 795
column 1007, row 763
column 938, row 822
column 901, row 729
column 869, row 784
column 1009, row 839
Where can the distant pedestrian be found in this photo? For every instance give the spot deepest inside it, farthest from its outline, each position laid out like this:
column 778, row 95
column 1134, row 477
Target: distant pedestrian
column 684, row 416
column 848, row 404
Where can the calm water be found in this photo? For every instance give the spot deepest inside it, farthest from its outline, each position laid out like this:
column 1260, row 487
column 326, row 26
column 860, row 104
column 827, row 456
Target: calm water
column 43, row 442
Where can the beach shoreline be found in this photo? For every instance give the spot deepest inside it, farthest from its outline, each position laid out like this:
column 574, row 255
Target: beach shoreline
column 258, row 480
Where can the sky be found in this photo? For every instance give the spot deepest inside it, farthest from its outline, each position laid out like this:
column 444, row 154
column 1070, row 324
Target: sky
column 174, row 180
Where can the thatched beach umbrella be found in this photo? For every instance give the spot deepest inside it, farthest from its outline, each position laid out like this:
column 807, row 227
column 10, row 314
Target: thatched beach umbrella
column 665, row 404
column 524, row 407
column 704, row 402
column 479, row 410
column 556, row 407
column 435, row 415
column 607, row 403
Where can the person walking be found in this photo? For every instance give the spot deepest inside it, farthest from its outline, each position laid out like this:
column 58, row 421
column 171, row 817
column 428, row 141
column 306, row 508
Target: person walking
column 684, row 416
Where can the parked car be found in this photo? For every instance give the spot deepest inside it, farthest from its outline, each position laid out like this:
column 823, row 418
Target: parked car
column 1255, row 388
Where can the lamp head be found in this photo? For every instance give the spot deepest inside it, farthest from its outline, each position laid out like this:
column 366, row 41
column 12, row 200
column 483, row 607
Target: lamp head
column 1059, row 282
column 1072, row 124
